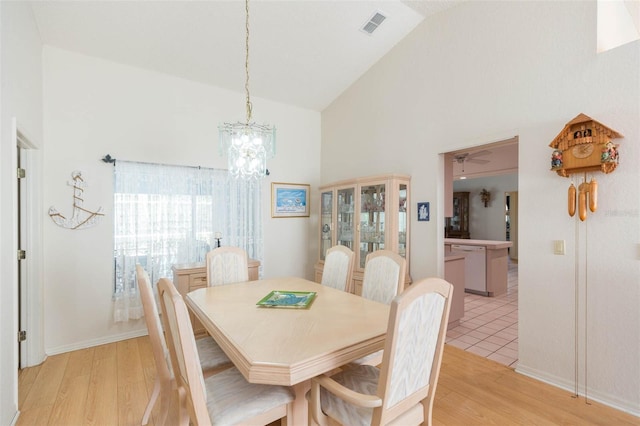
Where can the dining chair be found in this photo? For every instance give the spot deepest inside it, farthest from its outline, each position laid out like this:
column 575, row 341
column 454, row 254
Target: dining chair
column 338, row 268
column 402, row 390
column 383, row 279
column 213, row 358
column 226, row 265
column 225, row 398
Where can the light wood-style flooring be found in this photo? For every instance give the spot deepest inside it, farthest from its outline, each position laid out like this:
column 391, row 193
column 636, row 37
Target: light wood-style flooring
column 110, row 384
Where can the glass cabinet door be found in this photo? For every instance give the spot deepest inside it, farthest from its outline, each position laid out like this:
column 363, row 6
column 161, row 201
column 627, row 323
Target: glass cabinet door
column 326, row 218
column 457, row 226
column 345, row 216
column 372, row 220
column 455, row 219
column 402, row 220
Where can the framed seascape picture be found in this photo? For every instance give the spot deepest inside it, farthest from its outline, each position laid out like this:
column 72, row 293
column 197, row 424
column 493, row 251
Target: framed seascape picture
column 289, row 200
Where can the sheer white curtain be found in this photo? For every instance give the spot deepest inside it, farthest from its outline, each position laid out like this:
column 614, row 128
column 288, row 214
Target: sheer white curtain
column 166, row 214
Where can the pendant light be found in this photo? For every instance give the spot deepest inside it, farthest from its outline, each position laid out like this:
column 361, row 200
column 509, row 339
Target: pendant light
column 247, row 145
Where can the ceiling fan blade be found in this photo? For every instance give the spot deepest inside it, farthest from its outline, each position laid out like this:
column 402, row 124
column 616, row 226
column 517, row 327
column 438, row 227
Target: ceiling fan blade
column 478, row 161
column 478, row 154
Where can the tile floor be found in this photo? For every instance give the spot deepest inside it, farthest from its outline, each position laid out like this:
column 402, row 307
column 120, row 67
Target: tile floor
column 489, row 327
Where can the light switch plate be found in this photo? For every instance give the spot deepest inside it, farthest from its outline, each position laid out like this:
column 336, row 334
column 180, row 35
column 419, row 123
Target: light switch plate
column 558, row 247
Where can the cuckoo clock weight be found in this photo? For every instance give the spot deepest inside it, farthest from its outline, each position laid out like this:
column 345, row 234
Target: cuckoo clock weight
column 584, row 145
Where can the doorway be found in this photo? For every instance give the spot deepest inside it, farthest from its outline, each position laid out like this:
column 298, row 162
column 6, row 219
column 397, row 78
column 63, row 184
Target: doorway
column 21, row 238
column 28, row 231
column 488, row 326
column 492, row 167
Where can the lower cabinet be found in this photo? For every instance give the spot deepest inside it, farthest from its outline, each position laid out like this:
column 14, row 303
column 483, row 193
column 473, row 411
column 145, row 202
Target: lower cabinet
column 454, row 273
column 192, row 276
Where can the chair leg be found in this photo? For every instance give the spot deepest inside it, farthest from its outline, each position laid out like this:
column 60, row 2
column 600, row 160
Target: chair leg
column 183, row 410
column 165, row 402
column 427, row 403
column 152, row 401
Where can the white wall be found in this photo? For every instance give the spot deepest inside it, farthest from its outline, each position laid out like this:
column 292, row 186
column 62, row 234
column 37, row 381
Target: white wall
column 94, row 107
column 486, row 71
column 21, row 98
column 487, row 223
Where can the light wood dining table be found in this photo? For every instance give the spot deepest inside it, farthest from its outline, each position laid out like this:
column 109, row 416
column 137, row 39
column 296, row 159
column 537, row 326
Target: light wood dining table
column 289, row 346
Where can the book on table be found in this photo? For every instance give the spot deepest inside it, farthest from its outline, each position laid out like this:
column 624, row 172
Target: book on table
column 287, row 299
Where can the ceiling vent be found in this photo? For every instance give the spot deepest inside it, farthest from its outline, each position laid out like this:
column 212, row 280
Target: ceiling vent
column 373, row 23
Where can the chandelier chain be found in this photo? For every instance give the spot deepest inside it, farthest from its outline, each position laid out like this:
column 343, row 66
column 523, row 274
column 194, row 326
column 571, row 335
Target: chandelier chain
column 246, row 63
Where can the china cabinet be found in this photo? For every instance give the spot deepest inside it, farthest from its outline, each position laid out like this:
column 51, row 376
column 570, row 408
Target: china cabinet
column 365, row 215
column 457, row 226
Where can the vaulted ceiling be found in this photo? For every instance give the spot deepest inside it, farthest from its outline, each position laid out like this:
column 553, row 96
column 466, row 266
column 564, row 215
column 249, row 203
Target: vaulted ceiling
column 302, row 52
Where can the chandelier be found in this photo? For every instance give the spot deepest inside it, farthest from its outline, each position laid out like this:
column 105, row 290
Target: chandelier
column 247, row 145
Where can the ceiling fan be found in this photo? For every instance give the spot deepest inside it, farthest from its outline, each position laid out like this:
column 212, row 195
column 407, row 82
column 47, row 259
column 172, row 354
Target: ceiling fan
column 471, row 157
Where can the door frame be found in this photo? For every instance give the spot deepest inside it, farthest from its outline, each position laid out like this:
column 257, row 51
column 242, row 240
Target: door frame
column 31, row 297
column 446, row 171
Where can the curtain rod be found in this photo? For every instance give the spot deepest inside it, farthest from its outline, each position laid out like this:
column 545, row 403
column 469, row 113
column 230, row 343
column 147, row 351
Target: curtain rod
column 109, row 159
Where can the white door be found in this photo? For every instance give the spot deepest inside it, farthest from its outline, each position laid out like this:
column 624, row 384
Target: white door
column 21, row 257
column 28, row 233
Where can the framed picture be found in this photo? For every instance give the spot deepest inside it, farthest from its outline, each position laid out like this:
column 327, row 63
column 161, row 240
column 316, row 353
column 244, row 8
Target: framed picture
column 289, row 200
column 423, row 212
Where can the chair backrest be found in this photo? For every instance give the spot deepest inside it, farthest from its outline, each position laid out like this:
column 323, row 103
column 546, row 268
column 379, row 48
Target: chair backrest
column 226, row 265
column 413, row 349
column 338, row 268
column 384, row 273
column 152, row 318
column 184, row 353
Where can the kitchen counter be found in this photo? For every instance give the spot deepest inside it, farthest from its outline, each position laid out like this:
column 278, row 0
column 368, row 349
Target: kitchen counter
column 490, row 277
column 454, row 273
column 489, row 244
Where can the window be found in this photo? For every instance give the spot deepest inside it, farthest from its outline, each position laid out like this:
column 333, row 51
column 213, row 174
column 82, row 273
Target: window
column 618, row 23
column 165, row 215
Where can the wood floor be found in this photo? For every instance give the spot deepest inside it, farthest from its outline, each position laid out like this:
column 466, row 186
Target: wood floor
column 110, row 384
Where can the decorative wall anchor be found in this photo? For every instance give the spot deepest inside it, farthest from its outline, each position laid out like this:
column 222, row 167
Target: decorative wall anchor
column 485, row 196
column 584, row 145
column 81, row 218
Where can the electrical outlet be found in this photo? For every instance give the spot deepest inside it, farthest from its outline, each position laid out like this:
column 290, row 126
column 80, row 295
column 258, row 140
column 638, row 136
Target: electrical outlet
column 558, row 247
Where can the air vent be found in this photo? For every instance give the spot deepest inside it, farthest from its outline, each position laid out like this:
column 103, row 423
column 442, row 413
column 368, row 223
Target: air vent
column 373, row 23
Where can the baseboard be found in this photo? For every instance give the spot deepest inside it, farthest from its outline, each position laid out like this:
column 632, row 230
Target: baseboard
column 96, row 342
column 569, row 386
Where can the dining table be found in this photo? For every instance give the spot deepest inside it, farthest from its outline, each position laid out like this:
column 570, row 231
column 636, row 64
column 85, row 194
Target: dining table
column 287, row 345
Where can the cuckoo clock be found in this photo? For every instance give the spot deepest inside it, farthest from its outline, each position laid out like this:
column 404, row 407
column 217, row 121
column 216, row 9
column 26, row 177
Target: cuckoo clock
column 584, row 145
